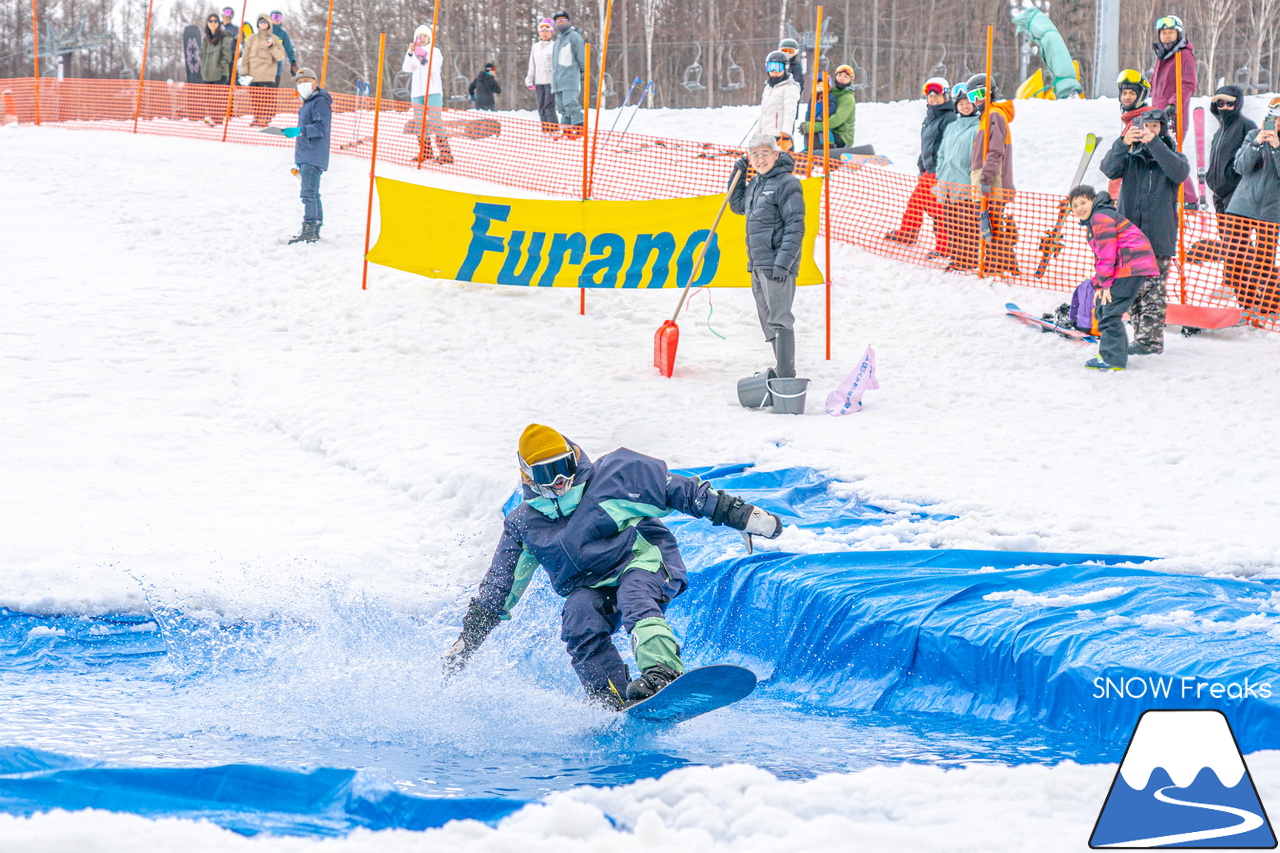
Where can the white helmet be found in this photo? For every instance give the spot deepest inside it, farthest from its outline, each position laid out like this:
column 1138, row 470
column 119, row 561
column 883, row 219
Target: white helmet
column 943, row 87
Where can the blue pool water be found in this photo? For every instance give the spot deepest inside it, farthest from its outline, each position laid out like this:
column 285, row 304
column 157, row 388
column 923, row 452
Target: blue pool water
column 316, row 726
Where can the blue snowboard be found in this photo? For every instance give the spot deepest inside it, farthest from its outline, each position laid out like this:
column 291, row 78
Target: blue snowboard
column 696, row 692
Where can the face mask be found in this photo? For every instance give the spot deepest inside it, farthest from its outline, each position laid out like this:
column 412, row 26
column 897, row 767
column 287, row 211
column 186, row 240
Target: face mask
column 305, row 90
column 562, row 27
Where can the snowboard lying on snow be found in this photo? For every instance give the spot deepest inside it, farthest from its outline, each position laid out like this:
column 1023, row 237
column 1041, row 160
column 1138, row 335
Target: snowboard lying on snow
column 695, row 693
column 1045, row 326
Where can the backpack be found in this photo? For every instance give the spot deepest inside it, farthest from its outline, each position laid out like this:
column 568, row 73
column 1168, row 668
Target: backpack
column 1077, row 314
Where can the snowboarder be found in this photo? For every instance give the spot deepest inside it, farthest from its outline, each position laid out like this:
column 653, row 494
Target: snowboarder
column 594, row 528
column 992, row 175
column 780, row 100
column 1123, row 260
column 566, row 76
column 484, row 87
column 538, row 77
column 773, row 204
column 939, row 113
column 311, row 150
column 277, row 25
column 258, row 58
column 959, row 214
column 424, row 60
column 215, row 53
column 1171, row 48
column 1133, row 90
column 1151, row 170
column 843, row 103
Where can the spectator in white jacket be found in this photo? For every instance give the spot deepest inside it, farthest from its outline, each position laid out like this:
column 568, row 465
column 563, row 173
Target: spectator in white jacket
column 779, row 102
column 424, row 61
column 538, row 77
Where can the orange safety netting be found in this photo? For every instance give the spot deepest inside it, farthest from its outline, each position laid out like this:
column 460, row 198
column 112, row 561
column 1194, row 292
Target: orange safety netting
column 1230, row 262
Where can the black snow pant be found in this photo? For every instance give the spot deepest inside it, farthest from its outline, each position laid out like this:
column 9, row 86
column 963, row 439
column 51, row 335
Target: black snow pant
column 546, row 107
column 1113, row 344
column 591, row 615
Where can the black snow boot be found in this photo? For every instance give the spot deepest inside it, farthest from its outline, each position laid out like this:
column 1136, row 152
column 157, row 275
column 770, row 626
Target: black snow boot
column 654, row 679
column 309, row 234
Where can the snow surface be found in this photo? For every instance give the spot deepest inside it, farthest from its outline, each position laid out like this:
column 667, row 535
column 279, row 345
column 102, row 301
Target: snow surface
column 199, row 414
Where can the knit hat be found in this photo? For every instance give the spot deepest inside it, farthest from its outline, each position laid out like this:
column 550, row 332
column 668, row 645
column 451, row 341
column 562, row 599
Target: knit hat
column 546, row 24
column 423, row 30
column 539, row 442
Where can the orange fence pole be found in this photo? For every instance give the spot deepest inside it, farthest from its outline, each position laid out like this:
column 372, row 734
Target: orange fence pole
column 373, row 156
column 35, row 55
column 1182, row 189
column 826, row 201
column 986, row 146
column 328, row 29
column 813, row 91
column 235, row 65
column 595, row 131
column 586, row 101
column 426, row 91
column 142, row 72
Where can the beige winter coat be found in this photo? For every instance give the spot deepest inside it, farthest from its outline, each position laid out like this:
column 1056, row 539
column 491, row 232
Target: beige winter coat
column 259, row 55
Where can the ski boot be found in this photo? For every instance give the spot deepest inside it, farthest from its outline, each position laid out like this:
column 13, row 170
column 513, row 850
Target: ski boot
column 897, row 235
column 650, row 682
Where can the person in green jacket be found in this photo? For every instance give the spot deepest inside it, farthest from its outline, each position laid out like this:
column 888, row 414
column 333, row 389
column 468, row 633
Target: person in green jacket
column 216, row 52
column 843, row 104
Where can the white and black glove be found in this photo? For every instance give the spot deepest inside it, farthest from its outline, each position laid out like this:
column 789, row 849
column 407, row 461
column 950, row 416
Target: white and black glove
column 476, row 626
column 740, row 515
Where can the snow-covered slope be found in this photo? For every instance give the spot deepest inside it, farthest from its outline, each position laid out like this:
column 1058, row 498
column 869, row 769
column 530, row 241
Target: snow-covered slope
column 196, row 412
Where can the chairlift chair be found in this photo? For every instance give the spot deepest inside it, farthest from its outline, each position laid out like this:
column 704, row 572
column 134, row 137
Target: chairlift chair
column 606, row 85
column 693, row 74
column 939, row 68
column 735, row 76
column 459, row 84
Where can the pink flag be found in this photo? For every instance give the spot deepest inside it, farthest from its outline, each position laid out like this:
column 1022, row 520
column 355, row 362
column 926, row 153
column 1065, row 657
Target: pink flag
column 848, row 397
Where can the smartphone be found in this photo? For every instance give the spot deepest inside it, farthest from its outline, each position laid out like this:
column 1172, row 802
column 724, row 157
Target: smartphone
column 1269, row 123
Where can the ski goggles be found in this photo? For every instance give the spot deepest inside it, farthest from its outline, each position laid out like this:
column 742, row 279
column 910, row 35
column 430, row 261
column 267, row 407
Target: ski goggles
column 1273, row 109
column 228, row 12
column 934, row 89
column 978, row 93
column 277, row 18
column 1131, row 76
column 775, row 67
column 554, row 475
column 1169, row 22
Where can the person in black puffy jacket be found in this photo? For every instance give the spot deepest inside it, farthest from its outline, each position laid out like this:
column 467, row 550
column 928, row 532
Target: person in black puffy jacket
column 484, row 87
column 1234, row 127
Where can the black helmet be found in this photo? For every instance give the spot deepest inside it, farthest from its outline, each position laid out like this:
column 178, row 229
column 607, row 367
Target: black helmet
column 979, row 81
column 1157, row 115
column 776, row 56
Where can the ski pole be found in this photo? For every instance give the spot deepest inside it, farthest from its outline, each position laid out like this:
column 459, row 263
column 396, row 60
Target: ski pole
column 647, row 87
column 627, row 100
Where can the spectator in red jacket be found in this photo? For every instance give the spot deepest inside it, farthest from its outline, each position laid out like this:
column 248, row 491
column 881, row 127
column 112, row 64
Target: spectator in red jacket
column 1172, row 49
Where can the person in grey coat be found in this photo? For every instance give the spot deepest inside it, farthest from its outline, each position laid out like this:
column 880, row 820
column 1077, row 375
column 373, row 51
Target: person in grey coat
column 1254, row 222
column 568, row 59
column 773, row 204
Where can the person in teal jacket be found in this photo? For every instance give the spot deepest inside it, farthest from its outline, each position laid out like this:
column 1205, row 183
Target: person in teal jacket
column 843, row 105
column 959, row 213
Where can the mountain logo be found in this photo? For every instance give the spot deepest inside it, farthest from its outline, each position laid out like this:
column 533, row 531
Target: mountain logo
column 1183, row 783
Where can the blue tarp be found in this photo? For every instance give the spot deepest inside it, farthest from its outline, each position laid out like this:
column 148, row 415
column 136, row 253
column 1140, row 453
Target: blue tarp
column 245, row 798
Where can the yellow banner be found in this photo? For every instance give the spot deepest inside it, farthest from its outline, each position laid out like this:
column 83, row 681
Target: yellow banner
column 536, row 243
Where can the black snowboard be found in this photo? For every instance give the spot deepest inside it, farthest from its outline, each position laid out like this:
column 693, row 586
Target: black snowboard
column 191, row 53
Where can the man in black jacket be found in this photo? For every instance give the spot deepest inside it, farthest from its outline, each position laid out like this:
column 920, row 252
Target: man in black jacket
column 940, row 113
column 1234, row 127
column 773, row 204
column 484, row 87
column 1151, row 169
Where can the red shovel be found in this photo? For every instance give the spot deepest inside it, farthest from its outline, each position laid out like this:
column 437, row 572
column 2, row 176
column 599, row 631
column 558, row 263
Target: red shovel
column 667, row 337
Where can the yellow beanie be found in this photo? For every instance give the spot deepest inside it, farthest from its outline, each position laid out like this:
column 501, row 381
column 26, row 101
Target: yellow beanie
column 539, row 442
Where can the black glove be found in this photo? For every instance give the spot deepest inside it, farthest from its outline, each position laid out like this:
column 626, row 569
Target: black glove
column 781, row 273
column 739, row 165
column 476, row 625
column 293, row 68
column 740, row 515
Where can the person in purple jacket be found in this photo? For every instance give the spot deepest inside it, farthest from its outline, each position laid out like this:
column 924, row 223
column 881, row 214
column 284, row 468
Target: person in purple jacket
column 1124, row 261
column 1172, row 48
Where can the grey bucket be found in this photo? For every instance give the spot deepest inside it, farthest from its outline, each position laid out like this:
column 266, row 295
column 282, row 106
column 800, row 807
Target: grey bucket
column 753, row 391
column 788, row 395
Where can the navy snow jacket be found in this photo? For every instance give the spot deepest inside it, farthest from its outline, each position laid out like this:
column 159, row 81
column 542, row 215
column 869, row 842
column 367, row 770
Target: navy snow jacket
column 936, row 119
column 315, row 117
column 774, row 206
column 607, row 523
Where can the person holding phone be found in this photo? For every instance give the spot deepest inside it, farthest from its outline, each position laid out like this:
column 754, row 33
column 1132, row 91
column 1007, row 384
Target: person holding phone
column 1253, row 224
